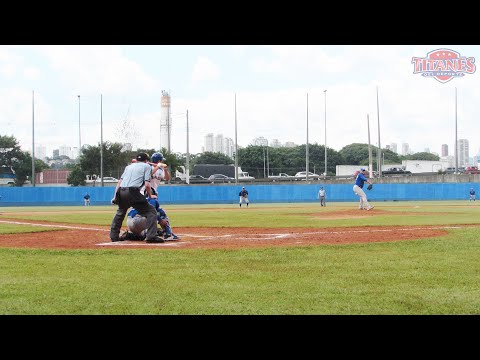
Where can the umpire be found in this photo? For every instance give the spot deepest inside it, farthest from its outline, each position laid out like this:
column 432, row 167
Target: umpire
column 127, row 194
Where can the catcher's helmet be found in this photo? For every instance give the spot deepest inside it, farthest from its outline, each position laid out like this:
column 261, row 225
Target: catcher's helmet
column 156, row 157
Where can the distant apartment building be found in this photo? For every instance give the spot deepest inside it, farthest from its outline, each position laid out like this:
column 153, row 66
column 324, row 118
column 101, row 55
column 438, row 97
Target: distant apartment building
column 290, row 144
column 75, row 153
column 218, row 143
column 229, row 147
column 463, row 152
column 65, row 150
column 393, row 147
column 444, row 150
column 405, row 149
column 41, row 152
column 209, row 143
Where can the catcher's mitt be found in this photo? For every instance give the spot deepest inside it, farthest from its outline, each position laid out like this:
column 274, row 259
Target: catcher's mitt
column 369, row 187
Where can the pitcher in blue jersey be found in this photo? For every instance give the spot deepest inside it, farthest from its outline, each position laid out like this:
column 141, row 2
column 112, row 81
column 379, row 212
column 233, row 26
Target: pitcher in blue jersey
column 360, row 180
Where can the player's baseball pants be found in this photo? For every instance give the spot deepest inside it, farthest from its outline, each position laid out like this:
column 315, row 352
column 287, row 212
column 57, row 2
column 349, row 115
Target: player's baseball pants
column 363, row 197
column 243, row 200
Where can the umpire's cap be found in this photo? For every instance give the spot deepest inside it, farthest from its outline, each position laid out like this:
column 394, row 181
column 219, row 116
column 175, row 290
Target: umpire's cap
column 143, row 156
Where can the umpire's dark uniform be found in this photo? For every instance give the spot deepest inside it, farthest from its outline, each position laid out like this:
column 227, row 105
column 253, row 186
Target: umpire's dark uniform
column 127, row 194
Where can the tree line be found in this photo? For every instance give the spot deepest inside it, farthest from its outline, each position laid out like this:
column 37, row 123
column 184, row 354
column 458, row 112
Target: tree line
column 257, row 160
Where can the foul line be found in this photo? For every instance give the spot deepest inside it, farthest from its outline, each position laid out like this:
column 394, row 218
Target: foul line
column 270, row 236
column 54, row 226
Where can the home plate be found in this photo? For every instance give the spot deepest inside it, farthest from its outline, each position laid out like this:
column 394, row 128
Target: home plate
column 141, row 243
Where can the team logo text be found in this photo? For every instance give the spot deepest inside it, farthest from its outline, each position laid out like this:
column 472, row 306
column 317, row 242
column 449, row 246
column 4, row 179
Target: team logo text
column 443, row 65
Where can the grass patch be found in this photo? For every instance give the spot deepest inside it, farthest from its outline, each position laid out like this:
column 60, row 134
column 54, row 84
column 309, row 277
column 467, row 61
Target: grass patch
column 421, row 277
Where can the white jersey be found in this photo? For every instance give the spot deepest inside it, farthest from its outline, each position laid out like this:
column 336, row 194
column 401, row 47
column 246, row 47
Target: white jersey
column 155, row 180
column 157, row 177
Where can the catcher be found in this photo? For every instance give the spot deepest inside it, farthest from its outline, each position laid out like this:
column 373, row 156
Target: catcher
column 137, row 224
column 243, row 196
column 360, row 180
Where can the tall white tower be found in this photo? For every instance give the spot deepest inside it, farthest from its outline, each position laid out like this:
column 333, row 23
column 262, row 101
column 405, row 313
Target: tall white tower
column 165, row 121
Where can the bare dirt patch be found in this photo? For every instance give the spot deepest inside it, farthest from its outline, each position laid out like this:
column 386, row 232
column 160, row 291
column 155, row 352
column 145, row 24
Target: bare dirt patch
column 73, row 236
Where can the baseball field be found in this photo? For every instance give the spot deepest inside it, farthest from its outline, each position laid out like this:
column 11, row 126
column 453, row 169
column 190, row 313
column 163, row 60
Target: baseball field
column 413, row 258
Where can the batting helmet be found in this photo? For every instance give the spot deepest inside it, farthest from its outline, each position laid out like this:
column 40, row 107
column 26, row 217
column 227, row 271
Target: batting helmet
column 156, row 157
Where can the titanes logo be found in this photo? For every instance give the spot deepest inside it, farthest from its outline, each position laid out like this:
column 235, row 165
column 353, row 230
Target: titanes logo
column 443, row 65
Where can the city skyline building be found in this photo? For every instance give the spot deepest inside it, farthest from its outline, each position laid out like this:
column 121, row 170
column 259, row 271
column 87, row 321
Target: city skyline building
column 444, row 150
column 218, row 145
column 394, row 147
column 463, row 152
column 208, row 143
column 229, row 147
column 41, row 152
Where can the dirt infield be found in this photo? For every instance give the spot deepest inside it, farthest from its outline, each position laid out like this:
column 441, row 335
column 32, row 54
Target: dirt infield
column 95, row 237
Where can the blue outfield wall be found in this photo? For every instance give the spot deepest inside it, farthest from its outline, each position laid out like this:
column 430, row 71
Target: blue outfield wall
column 228, row 194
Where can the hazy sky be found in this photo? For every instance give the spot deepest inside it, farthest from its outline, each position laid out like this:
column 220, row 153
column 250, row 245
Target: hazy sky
column 271, row 84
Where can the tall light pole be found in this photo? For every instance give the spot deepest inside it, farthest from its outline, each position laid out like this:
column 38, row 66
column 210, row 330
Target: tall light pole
column 379, row 146
column 268, row 166
column 306, row 148
column 33, row 138
column 456, row 140
column 325, row 92
column 264, row 162
column 79, row 133
column 187, row 162
column 236, row 146
column 101, row 138
column 370, row 162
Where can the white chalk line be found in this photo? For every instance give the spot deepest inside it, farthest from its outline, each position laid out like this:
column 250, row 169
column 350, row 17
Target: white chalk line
column 54, row 226
column 270, row 236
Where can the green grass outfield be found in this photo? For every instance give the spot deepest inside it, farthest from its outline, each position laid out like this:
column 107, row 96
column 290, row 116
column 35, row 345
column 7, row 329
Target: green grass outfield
column 430, row 276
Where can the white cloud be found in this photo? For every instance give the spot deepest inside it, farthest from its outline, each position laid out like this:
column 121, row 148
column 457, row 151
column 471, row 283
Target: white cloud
column 95, row 69
column 413, row 109
column 204, row 70
column 294, row 59
column 8, row 70
column 31, row 73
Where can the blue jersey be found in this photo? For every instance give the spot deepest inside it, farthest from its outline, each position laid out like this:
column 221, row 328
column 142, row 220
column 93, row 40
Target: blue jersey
column 154, row 202
column 472, row 192
column 360, row 180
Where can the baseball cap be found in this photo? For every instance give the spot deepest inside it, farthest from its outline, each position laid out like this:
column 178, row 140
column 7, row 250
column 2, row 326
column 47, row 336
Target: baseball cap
column 362, row 169
column 243, row 187
column 143, row 157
